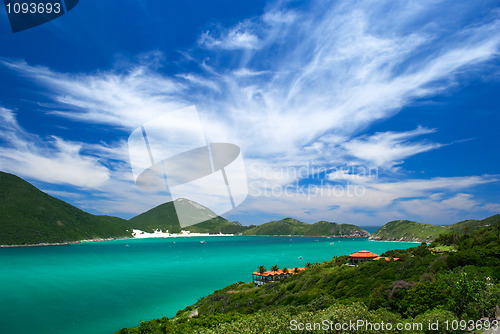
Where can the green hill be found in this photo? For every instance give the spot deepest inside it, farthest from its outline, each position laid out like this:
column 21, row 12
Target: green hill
column 290, row 226
column 404, row 230
column 469, row 226
column 164, row 217
column 30, row 216
column 324, row 228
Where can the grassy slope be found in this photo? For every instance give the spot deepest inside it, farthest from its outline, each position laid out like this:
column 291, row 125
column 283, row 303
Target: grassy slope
column 334, row 229
column 408, row 230
column 290, row 226
column 469, row 226
column 30, row 216
column 287, row 226
column 161, row 217
column 218, row 225
column 413, row 231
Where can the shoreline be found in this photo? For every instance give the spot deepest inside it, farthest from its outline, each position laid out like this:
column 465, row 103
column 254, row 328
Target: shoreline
column 43, row 244
column 195, row 235
column 384, row 240
column 138, row 234
column 403, row 239
column 307, row 236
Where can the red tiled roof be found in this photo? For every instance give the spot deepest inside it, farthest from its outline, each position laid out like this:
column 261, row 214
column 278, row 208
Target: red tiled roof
column 364, row 253
column 277, row 272
column 385, row 258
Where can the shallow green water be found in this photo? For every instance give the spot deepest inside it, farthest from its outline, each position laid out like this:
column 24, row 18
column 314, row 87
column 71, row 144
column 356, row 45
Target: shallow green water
column 102, row 287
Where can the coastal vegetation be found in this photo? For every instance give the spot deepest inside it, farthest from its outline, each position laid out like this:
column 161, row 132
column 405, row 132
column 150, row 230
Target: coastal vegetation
column 425, row 286
column 290, row 226
column 404, row 230
column 408, row 231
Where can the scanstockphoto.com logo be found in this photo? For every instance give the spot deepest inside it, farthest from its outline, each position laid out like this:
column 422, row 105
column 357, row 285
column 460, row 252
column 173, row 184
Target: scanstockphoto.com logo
column 26, row 14
column 308, row 181
column 170, row 153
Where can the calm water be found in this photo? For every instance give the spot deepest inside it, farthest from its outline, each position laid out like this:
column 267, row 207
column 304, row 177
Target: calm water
column 102, row 287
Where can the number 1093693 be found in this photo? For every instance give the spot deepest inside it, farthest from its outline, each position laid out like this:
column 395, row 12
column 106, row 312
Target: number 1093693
column 33, row 8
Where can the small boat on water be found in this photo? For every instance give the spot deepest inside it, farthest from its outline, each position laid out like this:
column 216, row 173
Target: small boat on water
column 203, row 242
column 332, row 243
column 300, row 257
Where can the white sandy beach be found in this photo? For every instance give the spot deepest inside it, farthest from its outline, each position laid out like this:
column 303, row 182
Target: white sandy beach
column 159, row 234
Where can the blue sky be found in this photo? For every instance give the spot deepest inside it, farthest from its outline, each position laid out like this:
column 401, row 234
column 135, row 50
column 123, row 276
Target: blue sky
column 395, row 103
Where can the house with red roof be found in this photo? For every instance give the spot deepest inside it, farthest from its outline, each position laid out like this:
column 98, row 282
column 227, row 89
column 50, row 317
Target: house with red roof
column 387, row 258
column 364, row 255
column 273, row 275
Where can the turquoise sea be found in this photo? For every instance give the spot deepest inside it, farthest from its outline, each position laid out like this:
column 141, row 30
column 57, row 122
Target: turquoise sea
column 101, row 287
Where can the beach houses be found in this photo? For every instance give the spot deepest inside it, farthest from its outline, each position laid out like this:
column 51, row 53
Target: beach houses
column 364, row 255
column 260, row 278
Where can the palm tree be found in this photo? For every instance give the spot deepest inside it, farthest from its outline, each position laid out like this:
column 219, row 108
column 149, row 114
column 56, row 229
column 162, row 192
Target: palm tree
column 285, row 270
column 274, row 269
column 295, row 270
column 308, row 265
column 261, row 269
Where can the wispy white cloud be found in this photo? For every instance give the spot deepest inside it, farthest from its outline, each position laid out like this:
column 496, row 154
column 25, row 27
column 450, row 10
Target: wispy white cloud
column 389, row 148
column 365, row 200
column 100, row 172
column 445, row 210
column 338, row 66
column 52, row 160
column 297, row 86
column 236, row 38
column 122, row 100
